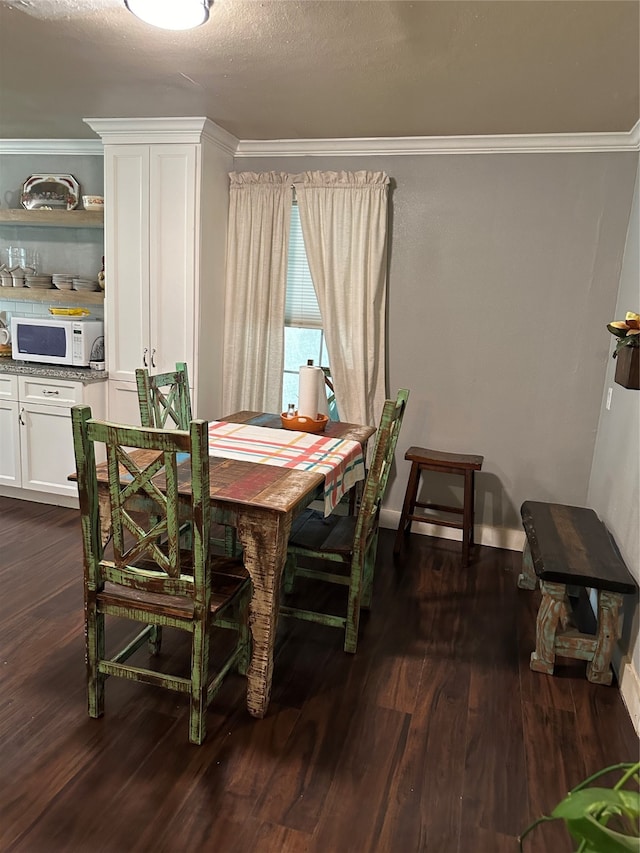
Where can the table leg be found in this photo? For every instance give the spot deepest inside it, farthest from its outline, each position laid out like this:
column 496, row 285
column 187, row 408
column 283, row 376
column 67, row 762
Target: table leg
column 263, row 536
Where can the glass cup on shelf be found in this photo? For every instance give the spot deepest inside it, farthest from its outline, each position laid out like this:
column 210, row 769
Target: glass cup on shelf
column 23, row 258
column 17, row 257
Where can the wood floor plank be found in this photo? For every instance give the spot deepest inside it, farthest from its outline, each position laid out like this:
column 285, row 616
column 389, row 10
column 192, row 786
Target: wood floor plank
column 296, row 794
column 495, row 791
column 555, row 764
column 272, row 837
column 436, row 736
column 364, row 774
column 423, row 811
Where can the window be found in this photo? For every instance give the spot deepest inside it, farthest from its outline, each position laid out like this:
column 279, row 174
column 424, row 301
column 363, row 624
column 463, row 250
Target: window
column 303, row 334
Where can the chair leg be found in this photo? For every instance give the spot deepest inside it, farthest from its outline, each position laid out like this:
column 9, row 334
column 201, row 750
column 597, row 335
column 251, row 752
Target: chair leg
column 407, row 507
column 94, row 633
column 289, row 573
column 155, row 639
column 369, row 568
column 199, row 673
column 353, row 607
column 230, row 541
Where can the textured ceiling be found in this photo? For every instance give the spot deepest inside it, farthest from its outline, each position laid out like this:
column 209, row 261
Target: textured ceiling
column 274, row 69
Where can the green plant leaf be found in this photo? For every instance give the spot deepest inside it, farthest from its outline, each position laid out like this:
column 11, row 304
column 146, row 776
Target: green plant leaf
column 628, row 341
column 586, row 811
column 601, row 839
column 591, row 801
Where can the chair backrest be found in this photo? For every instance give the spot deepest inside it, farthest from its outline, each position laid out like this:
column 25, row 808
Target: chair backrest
column 394, row 431
column 164, row 399
column 332, row 406
column 381, row 462
column 144, row 506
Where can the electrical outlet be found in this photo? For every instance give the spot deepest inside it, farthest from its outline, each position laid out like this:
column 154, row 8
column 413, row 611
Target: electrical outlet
column 609, row 396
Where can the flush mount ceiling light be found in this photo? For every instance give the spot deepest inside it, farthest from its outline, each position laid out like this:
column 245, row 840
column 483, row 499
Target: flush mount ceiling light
column 171, row 14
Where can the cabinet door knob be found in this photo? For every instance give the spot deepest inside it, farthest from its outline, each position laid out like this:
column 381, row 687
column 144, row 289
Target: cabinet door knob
column 20, row 417
column 48, row 393
column 153, row 353
column 144, row 357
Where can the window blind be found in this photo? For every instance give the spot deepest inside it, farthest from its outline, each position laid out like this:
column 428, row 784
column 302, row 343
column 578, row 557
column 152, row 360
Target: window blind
column 301, row 306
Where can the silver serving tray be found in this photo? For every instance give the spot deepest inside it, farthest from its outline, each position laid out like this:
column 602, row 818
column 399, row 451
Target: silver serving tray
column 50, row 192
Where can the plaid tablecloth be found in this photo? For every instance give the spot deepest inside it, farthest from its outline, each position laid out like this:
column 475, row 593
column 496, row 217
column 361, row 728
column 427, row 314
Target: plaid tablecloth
column 338, row 459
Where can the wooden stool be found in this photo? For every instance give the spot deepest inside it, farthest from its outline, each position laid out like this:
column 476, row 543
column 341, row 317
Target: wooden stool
column 444, row 463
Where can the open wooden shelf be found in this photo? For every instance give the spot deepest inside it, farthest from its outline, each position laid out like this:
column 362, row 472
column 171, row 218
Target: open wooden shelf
column 53, row 218
column 52, row 296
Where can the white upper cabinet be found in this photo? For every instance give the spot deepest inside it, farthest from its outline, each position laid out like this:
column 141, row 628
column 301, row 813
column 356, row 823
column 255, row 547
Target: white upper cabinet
column 150, row 245
column 166, row 205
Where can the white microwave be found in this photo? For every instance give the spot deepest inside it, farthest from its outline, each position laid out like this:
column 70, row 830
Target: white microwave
column 70, row 341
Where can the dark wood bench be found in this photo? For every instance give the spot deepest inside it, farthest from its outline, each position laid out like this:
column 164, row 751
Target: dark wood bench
column 568, row 546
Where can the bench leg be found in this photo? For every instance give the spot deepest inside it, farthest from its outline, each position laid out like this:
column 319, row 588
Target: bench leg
column 527, row 578
column 599, row 668
column 552, row 610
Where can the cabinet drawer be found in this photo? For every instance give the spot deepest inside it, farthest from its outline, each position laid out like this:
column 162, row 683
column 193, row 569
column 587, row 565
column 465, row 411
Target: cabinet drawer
column 8, row 386
column 57, row 392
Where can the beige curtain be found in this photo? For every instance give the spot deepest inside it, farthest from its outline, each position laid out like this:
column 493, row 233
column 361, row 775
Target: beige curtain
column 344, row 225
column 257, row 246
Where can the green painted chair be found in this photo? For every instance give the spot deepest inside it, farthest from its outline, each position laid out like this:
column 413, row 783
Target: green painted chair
column 349, row 541
column 146, row 575
column 332, row 406
column 164, row 397
column 164, row 401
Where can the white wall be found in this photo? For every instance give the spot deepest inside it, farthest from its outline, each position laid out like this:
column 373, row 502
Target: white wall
column 615, row 475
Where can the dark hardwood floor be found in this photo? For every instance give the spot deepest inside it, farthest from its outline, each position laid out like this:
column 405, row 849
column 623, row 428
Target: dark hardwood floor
column 435, row 737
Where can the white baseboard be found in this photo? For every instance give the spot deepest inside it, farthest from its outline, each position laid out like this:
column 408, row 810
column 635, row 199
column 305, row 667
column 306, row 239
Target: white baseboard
column 39, row 497
column 494, row 537
column 629, row 682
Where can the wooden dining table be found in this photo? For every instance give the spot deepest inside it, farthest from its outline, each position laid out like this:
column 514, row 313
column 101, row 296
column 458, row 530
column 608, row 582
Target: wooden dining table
column 260, row 501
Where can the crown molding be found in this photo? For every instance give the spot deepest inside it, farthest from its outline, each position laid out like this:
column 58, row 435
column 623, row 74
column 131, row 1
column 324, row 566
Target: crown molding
column 141, row 130
column 162, row 130
column 416, row 145
column 74, row 147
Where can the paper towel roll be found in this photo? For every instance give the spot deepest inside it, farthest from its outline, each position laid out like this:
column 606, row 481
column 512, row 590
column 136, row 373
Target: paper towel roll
column 308, row 390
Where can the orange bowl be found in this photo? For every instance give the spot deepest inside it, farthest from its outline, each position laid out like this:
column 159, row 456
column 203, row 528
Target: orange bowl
column 302, row 424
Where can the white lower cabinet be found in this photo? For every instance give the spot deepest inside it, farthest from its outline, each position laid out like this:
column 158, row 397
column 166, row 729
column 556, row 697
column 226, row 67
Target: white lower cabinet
column 36, row 450
column 10, row 444
column 123, row 403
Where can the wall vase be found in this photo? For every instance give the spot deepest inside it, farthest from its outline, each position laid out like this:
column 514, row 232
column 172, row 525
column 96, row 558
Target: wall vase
column 628, row 367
